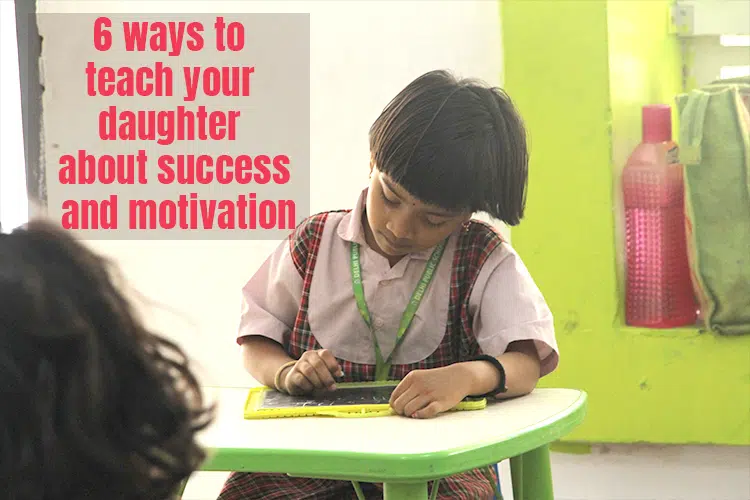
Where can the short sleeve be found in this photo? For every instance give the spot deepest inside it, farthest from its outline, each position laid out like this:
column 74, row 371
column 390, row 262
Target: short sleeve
column 271, row 298
column 507, row 306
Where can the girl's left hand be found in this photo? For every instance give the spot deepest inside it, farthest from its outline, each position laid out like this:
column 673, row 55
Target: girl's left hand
column 426, row 393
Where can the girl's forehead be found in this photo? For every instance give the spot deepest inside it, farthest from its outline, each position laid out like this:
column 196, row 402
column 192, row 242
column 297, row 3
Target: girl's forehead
column 415, row 202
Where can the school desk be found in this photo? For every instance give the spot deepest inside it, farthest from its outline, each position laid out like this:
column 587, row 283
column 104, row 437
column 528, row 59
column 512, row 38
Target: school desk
column 404, row 454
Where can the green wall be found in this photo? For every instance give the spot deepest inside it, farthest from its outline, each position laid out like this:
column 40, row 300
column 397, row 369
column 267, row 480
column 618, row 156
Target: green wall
column 579, row 72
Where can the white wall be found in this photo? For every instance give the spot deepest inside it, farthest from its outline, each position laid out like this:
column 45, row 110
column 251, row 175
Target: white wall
column 701, row 23
column 383, row 45
column 706, row 57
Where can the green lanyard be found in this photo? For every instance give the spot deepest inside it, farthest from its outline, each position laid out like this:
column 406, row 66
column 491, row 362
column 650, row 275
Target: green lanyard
column 383, row 367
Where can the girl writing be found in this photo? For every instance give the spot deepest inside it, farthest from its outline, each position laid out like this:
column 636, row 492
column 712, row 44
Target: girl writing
column 406, row 286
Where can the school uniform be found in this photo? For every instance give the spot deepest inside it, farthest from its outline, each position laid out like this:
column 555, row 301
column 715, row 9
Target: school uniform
column 481, row 298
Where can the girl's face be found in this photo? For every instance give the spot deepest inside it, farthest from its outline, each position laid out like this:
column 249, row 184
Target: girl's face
column 400, row 223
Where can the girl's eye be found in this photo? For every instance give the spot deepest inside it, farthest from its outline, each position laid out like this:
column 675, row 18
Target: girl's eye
column 387, row 200
column 435, row 223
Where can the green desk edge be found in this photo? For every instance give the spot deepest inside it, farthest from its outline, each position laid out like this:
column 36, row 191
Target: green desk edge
column 376, row 467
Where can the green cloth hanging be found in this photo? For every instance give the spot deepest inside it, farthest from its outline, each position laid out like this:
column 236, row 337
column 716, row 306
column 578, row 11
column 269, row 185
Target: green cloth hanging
column 715, row 149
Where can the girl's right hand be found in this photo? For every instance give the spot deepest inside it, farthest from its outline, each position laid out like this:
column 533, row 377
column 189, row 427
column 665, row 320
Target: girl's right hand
column 315, row 370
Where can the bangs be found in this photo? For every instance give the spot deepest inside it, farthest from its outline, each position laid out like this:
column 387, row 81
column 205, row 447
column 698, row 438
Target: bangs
column 444, row 169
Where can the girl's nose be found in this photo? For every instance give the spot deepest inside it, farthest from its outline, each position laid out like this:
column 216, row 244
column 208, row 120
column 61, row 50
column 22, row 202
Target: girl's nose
column 400, row 226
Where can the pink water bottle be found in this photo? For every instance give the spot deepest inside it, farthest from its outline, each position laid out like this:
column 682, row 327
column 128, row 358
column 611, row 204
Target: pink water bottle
column 659, row 289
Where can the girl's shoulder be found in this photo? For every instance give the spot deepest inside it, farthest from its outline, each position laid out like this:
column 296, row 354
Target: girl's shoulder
column 477, row 250
column 305, row 239
column 479, row 237
column 312, row 226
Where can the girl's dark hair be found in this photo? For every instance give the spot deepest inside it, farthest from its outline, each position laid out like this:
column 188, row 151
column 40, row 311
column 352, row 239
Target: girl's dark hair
column 455, row 143
column 92, row 404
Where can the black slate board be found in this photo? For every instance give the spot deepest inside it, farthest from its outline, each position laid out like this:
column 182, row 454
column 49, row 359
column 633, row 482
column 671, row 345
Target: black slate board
column 348, row 396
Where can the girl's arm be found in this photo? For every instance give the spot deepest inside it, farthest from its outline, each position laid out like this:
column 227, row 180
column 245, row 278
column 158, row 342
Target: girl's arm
column 522, row 371
column 425, row 393
column 511, row 322
column 262, row 358
column 270, row 302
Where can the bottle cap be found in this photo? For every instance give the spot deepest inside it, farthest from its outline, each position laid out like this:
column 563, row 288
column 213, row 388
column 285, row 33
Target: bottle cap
column 657, row 123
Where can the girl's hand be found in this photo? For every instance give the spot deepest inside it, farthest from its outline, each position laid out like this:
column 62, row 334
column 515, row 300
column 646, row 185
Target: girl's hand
column 426, row 393
column 315, row 370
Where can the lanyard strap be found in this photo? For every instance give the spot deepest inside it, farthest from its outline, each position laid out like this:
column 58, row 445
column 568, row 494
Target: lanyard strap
column 383, row 367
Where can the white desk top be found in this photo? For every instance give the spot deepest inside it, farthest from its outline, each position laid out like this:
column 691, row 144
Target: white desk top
column 395, row 435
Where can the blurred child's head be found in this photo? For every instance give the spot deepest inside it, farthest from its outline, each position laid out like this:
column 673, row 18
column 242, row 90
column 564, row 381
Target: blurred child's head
column 92, row 404
column 441, row 150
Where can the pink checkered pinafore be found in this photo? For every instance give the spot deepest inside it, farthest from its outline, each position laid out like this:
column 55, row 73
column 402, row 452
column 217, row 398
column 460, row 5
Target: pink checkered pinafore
column 475, row 243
